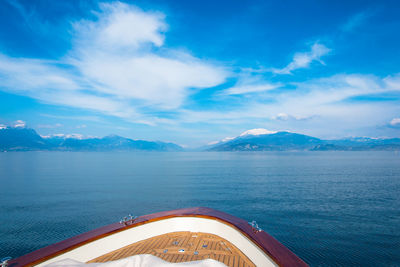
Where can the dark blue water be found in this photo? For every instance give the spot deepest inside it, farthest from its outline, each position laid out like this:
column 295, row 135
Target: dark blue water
column 330, row 208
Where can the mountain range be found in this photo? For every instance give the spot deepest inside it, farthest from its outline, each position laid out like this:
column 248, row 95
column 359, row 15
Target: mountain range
column 264, row 140
column 25, row 139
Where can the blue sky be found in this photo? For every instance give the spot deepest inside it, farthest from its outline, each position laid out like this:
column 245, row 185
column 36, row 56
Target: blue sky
column 193, row 72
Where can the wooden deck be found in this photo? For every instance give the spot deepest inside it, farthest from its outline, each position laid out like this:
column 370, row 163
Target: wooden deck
column 182, row 247
column 280, row 254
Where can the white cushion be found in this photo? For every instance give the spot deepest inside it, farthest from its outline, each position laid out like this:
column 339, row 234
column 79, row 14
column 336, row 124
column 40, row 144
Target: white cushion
column 143, row 260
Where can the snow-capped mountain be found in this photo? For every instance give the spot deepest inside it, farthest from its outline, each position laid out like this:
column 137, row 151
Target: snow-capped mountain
column 23, row 139
column 264, row 140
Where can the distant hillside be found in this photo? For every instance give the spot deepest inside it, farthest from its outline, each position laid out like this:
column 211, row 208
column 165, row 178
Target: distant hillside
column 20, row 139
column 25, row 139
column 263, row 140
column 277, row 141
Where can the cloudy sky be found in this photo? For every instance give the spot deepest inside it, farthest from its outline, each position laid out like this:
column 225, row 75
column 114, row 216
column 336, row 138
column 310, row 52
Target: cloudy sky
column 193, row 72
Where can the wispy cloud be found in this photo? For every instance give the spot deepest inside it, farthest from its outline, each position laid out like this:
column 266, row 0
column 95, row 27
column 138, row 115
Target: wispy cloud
column 74, row 118
column 395, row 122
column 250, row 84
column 25, row 75
column 313, row 106
column 19, row 124
column 392, row 82
column 356, row 21
column 49, row 126
column 304, row 59
column 117, row 66
column 24, row 13
column 288, row 117
column 118, row 54
column 52, row 83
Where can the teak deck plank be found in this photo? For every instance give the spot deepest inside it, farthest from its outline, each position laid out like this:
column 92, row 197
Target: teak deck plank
column 166, row 248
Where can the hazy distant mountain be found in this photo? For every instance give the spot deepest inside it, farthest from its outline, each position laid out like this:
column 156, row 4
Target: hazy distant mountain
column 264, row 140
column 268, row 141
column 20, row 138
column 25, row 139
column 114, row 142
column 362, row 141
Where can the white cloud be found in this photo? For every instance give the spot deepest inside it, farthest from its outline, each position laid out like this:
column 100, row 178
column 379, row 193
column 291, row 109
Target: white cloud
column 320, row 107
column 126, row 63
column 121, row 25
column 49, row 126
column 46, row 81
column 152, row 79
column 24, row 75
column 328, row 101
column 19, row 124
column 395, row 122
column 281, row 116
column 355, row 21
column 304, row 59
column 392, row 82
column 117, row 66
column 2, row 126
column 247, row 83
column 288, row 117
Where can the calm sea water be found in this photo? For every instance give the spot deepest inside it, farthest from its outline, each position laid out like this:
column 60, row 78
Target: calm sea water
column 330, row 208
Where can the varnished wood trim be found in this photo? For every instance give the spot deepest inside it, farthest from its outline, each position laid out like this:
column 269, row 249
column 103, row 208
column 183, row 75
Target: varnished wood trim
column 274, row 249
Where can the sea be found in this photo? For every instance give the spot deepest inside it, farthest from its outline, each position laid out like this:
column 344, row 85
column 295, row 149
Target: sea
column 330, row 208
